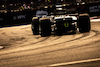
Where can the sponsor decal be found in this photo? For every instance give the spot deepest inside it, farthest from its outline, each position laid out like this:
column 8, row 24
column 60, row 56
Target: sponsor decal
column 19, row 17
column 66, row 24
column 95, row 8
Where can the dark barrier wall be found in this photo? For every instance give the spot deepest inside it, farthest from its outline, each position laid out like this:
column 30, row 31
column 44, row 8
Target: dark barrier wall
column 3, row 18
column 16, row 18
column 93, row 9
column 25, row 16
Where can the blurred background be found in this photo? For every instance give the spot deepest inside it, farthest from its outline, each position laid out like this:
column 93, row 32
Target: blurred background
column 16, row 12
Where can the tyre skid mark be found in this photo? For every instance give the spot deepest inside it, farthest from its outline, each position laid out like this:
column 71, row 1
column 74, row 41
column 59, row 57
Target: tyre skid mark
column 32, row 43
column 97, row 33
column 37, row 42
column 56, row 38
column 40, row 41
column 68, row 48
column 84, row 35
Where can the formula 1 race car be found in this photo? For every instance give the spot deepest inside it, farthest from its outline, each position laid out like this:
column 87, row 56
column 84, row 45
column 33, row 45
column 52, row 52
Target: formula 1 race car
column 60, row 24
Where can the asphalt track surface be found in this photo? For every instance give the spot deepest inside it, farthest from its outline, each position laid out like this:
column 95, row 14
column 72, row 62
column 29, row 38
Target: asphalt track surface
column 23, row 49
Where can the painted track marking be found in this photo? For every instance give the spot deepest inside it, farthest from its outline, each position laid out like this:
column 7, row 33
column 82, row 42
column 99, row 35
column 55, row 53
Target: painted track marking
column 74, row 62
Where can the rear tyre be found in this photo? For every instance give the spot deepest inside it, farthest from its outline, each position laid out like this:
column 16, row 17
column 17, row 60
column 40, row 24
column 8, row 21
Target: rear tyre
column 84, row 23
column 45, row 25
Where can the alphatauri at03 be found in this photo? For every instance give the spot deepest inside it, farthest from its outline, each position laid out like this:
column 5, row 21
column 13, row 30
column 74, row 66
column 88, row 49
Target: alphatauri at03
column 60, row 24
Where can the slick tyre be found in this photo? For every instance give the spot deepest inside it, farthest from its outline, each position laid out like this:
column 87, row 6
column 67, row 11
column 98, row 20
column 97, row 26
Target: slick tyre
column 84, row 23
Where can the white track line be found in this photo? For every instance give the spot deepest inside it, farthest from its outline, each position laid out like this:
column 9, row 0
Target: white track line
column 94, row 20
column 1, row 47
column 75, row 62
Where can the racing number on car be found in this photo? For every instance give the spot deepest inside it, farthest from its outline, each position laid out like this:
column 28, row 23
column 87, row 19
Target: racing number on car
column 66, row 24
